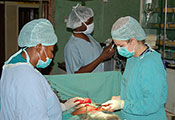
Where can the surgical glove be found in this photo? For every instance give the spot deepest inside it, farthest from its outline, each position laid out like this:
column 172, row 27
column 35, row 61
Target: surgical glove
column 108, row 41
column 112, row 105
column 116, row 98
column 70, row 103
column 107, row 53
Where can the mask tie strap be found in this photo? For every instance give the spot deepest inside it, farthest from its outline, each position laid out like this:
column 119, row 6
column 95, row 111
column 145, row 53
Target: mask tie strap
column 39, row 56
column 45, row 52
column 79, row 17
column 27, row 57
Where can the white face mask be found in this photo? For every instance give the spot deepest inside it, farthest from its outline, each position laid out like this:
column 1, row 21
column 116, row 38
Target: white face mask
column 89, row 29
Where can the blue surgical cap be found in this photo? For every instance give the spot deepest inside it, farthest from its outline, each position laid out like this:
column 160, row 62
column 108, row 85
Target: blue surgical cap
column 38, row 31
column 126, row 28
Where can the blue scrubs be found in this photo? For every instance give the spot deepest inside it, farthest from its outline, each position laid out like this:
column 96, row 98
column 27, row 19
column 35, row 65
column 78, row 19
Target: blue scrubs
column 144, row 88
column 25, row 93
column 79, row 53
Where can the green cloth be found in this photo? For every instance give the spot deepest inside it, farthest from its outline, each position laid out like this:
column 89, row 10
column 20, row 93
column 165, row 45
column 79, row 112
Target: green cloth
column 18, row 59
column 100, row 87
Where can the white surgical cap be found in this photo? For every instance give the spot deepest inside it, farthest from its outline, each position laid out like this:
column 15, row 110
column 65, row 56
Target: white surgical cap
column 78, row 15
column 126, row 28
column 38, row 31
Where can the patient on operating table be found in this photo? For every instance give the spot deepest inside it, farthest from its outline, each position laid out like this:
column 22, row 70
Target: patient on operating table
column 91, row 111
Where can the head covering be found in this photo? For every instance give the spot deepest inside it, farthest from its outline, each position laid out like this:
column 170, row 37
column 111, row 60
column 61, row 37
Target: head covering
column 78, row 15
column 38, row 31
column 126, row 28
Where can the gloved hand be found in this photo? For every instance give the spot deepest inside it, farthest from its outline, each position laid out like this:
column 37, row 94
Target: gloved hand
column 108, row 52
column 70, row 103
column 112, row 105
column 116, row 98
column 108, row 41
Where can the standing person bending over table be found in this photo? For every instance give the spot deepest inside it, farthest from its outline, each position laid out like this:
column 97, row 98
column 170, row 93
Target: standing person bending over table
column 143, row 86
column 24, row 92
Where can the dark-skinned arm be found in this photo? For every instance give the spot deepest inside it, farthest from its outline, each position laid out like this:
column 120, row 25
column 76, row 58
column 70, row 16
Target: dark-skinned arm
column 106, row 54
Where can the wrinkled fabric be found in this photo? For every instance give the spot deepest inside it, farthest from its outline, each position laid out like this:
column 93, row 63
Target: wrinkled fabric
column 79, row 15
column 18, row 58
column 126, row 28
column 26, row 95
column 99, row 87
column 144, row 88
column 37, row 31
column 79, row 53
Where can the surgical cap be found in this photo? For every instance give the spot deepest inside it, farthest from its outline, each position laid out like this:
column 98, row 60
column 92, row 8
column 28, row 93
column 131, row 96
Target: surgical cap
column 78, row 15
column 38, row 31
column 126, row 28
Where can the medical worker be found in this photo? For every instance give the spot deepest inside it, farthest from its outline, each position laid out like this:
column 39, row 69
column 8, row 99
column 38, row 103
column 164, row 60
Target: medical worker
column 25, row 93
column 82, row 52
column 143, row 86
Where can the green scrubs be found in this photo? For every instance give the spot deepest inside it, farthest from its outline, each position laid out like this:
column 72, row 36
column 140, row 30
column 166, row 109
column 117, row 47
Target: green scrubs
column 144, row 88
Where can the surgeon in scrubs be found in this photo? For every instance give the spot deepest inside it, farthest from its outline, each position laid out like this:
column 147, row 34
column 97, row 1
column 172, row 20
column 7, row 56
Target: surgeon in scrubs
column 82, row 52
column 143, row 86
column 25, row 93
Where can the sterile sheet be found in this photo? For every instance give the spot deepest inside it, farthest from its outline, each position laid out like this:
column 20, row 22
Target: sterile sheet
column 100, row 87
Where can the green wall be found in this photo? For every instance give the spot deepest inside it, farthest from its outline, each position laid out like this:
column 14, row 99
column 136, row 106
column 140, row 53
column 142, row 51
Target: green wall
column 105, row 15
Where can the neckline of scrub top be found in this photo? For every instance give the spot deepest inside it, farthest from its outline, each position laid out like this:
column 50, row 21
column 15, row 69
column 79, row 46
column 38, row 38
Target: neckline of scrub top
column 18, row 59
column 145, row 51
column 84, row 39
column 150, row 50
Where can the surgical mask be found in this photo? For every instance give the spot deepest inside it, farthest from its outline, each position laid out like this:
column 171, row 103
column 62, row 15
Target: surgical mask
column 42, row 64
column 123, row 51
column 90, row 29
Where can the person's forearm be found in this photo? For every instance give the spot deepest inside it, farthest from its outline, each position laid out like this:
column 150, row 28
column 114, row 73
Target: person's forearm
column 90, row 67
